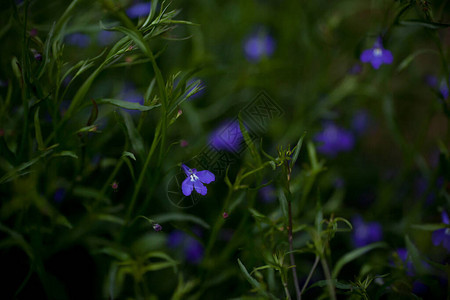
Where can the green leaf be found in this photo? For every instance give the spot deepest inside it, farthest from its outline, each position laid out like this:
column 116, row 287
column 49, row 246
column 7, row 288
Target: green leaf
column 283, row 202
column 254, row 283
column 126, row 104
column 128, row 154
column 20, row 170
column 337, row 284
column 66, row 153
column 18, row 238
column 405, row 63
column 94, row 113
column 110, row 218
column 298, row 147
column 429, row 227
column 352, row 255
column 179, row 217
column 415, row 256
column 37, row 128
column 116, row 253
column 247, row 138
column 421, row 23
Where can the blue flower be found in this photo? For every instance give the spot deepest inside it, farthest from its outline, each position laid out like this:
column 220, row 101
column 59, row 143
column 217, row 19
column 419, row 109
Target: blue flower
column 377, row 55
column 78, row 39
column 196, row 179
column 442, row 236
column 259, row 45
column 333, row 140
column 106, row 37
column 268, row 194
column 139, row 10
column 365, row 233
column 406, row 259
column 360, row 121
column 59, row 195
column 227, row 136
column 191, row 248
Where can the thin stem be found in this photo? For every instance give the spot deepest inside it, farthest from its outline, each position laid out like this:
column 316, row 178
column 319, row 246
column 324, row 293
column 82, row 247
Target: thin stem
column 330, row 283
column 291, row 254
column 316, row 262
column 285, row 286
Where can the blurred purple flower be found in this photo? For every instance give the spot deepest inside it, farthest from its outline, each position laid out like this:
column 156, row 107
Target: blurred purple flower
column 443, row 89
column 406, row 259
column 334, row 139
column 268, row 194
column 419, row 288
column 377, row 55
column 191, row 248
column 431, row 80
column 130, row 94
column 196, row 180
column 106, row 37
column 140, row 9
column 442, row 236
column 157, row 227
column 259, row 45
column 227, row 136
column 59, row 195
column 360, row 121
column 355, row 69
column 78, row 39
column 365, row 233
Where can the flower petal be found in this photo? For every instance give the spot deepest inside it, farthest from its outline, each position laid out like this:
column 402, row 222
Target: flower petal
column 205, row 176
column 387, row 56
column 438, row 236
column 366, row 55
column 187, row 186
column 200, row 188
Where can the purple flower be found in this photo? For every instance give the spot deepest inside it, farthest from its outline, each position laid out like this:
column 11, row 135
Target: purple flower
column 355, row 69
column 365, row 233
column 157, row 227
column 443, row 89
column 334, row 139
column 139, row 10
column 268, row 194
column 196, row 180
column 59, row 195
column 130, row 94
column 259, row 45
column 377, row 55
column 360, row 121
column 78, row 39
column 106, row 37
column 442, row 236
column 227, row 136
column 406, row 259
column 191, row 248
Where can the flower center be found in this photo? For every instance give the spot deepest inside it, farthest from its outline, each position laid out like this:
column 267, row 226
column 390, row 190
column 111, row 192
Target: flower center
column 193, row 177
column 447, row 231
column 377, row 52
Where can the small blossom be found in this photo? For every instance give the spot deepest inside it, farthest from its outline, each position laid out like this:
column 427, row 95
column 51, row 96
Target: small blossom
column 37, row 55
column 360, row 121
column 333, row 140
column 225, row 215
column 355, row 69
column 139, row 10
column 78, row 39
column 268, row 194
column 227, row 136
column 196, row 179
column 184, row 143
column 179, row 113
column 365, row 233
column 442, row 236
column 190, row 247
column 59, row 195
column 106, row 37
column 259, row 45
column 402, row 253
column 157, row 227
column 377, row 55
column 33, row 32
column 115, row 186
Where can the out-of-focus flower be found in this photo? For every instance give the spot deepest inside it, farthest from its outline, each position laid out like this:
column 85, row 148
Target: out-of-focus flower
column 442, row 236
column 184, row 143
column 59, row 195
column 33, row 32
column 402, row 253
column 157, row 227
column 365, row 233
column 334, row 139
column 268, row 194
column 130, row 94
column 225, row 215
column 259, row 45
column 190, row 247
column 106, row 37
column 196, row 179
column 115, row 186
column 37, row 55
column 360, row 121
column 377, row 55
column 355, row 69
column 140, row 9
column 78, row 39
column 227, row 136
column 419, row 288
